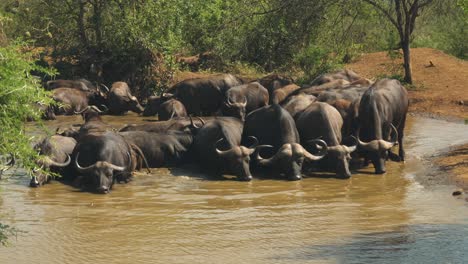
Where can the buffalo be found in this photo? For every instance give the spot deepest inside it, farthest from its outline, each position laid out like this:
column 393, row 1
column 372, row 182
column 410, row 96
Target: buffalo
column 161, row 149
column 243, row 99
column 120, row 100
column 165, row 106
column 72, row 100
column 217, row 145
column 177, row 124
column 204, row 96
column 275, row 128
column 280, row 94
column 345, row 74
column 55, row 151
column 80, row 84
column 105, row 158
column 321, row 120
column 273, row 82
column 297, row 103
column 382, row 115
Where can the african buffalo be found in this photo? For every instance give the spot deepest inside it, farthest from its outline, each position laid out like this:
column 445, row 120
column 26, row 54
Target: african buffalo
column 346, row 101
column 344, row 74
column 280, row 94
column 161, row 149
column 165, row 106
column 55, row 151
column 120, row 100
column 217, row 146
column 178, row 124
column 93, row 124
column 104, row 158
column 73, row 100
column 382, row 113
column 321, row 120
column 274, row 126
column 204, row 96
column 273, row 82
column 297, row 103
column 243, row 99
column 80, row 84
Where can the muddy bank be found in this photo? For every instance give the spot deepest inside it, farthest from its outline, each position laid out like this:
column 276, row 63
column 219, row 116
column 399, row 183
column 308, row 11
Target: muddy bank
column 455, row 162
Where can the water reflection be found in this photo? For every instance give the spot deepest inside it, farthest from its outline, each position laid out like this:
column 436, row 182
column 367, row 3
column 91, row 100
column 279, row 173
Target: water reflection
column 179, row 215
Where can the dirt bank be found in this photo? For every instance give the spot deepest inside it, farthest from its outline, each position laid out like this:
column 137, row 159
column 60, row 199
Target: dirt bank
column 440, row 90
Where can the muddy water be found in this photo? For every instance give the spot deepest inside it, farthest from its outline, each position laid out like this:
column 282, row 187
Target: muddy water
column 177, row 216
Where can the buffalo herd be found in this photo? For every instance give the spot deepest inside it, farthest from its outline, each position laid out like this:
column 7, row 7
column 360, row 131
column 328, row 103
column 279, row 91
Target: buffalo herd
column 269, row 126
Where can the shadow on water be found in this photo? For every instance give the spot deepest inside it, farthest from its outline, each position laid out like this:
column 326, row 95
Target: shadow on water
column 425, row 243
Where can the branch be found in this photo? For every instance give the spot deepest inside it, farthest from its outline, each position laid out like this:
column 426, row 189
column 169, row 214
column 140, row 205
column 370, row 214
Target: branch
column 425, row 3
column 385, row 12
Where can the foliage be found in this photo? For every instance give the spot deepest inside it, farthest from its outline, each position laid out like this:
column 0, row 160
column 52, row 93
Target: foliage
column 20, row 93
column 6, row 231
column 140, row 41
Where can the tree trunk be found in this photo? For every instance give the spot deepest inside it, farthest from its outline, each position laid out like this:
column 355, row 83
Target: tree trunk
column 405, row 45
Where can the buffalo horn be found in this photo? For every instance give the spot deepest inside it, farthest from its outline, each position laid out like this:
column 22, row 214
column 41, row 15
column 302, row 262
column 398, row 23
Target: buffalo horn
column 82, row 169
column 229, row 102
column 322, row 151
column 58, row 164
column 195, row 126
column 244, row 104
column 115, row 167
column 255, row 142
column 353, row 147
column 105, row 87
column 380, row 144
column 221, row 152
column 262, row 161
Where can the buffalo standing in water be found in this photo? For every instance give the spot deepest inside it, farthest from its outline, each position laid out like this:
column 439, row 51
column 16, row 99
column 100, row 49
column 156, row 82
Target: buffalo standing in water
column 243, row 99
column 120, row 100
column 320, row 120
column 217, row 146
column 275, row 127
column 382, row 113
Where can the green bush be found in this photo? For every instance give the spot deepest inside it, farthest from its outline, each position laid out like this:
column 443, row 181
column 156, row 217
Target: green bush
column 19, row 94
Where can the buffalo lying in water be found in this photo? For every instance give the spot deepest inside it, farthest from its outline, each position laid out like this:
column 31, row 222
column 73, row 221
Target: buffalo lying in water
column 165, row 106
column 104, row 158
column 161, row 149
column 204, row 96
column 120, row 100
column 56, row 151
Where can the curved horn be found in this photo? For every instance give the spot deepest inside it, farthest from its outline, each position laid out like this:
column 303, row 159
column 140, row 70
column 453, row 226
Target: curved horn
column 221, row 152
column 255, row 140
column 95, row 108
column 244, row 104
column 389, row 144
column 105, row 87
column 229, row 102
column 58, row 164
column 82, row 169
column 352, row 148
column 115, row 167
column 195, row 126
column 262, row 161
column 322, row 151
column 82, row 111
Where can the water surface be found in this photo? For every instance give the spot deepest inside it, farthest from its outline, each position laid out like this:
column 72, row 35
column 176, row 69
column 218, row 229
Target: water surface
column 181, row 216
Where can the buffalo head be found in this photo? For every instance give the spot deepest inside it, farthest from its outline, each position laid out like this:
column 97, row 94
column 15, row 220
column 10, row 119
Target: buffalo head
column 290, row 157
column 235, row 108
column 238, row 159
column 42, row 176
column 377, row 150
column 154, row 104
column 100, row 174
column 340, row 157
